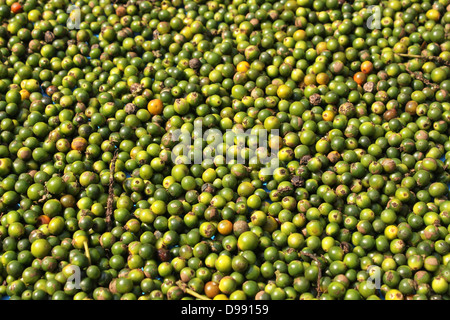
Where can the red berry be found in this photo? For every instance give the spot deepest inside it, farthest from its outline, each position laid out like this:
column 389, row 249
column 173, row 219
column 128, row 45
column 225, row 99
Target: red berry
column 16, row 7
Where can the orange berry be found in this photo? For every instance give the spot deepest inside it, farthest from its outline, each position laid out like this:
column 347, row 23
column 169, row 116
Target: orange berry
column 211, row 289
column 155, row 106
column 360, row 78
column 43, row 219
column 24, row 94
column 243, row 66
column 225, row 227
column 367, row 67
column 322, row 78
column 79, row 143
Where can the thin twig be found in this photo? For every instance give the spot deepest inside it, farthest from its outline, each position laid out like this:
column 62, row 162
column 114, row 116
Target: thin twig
column 86, row 249
column 319, row 277
column 195, row 294
column 110, row 201
column 419, row 76
column 185, row 289
column 429, row 58
column 46, row 196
